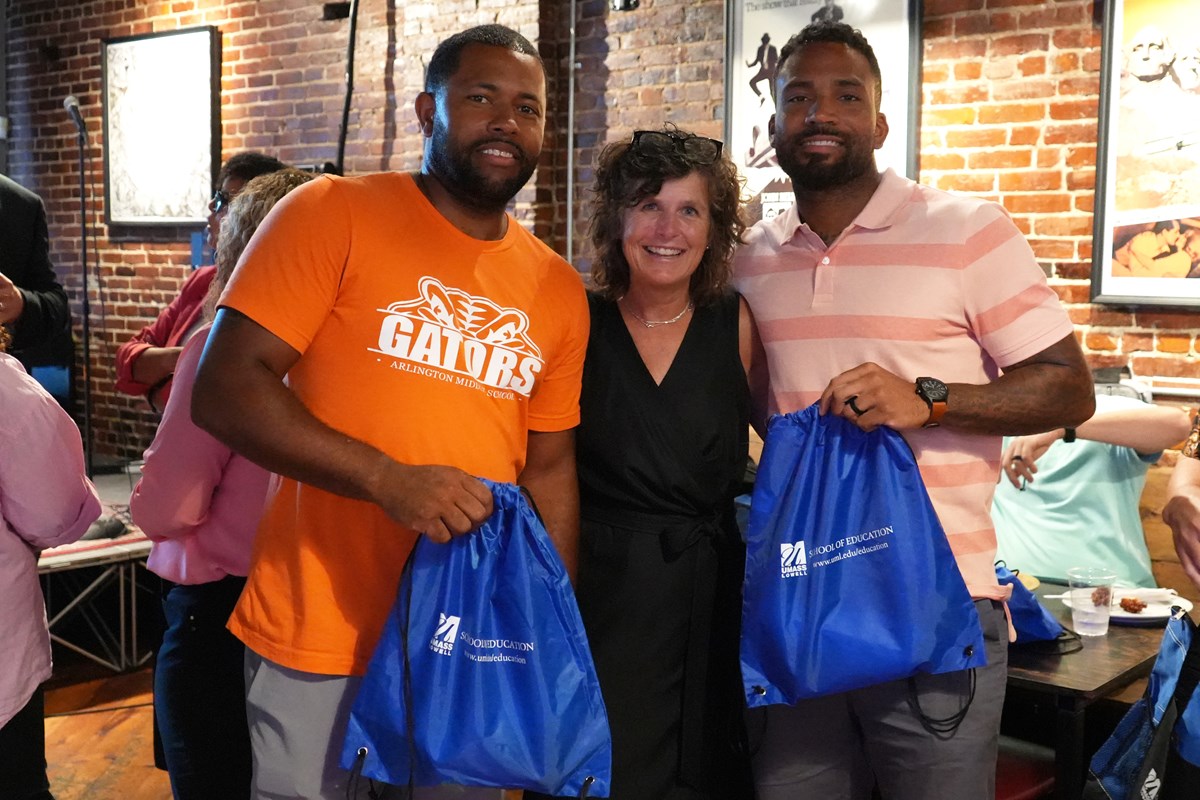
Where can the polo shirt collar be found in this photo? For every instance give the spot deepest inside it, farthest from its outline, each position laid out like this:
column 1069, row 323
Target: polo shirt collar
column 891, row 194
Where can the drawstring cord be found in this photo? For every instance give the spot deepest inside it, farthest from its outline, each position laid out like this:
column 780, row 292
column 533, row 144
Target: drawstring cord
column 945, row 727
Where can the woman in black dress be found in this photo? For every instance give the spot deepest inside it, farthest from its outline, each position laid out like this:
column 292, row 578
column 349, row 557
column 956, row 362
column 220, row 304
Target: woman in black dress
column 661, row 451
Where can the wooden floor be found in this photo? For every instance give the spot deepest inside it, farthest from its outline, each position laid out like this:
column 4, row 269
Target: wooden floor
column 99, row 741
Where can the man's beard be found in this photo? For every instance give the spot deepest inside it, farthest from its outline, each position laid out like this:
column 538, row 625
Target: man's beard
column 454, row 170
column 822, row 173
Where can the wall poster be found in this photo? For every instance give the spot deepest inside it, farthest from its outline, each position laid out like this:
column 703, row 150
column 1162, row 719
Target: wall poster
column 162, row 127
column 758, row 29
column 1146, row 242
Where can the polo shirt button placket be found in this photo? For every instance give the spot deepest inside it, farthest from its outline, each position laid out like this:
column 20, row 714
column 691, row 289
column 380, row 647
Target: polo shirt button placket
column 823, row 288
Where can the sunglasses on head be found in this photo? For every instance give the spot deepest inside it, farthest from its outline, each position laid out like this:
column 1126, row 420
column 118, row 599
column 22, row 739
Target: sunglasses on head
column 219, row 201
column 698, row 148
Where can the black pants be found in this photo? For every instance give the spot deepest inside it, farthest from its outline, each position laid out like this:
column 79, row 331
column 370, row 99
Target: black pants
column 23, row 753
column 200, row 693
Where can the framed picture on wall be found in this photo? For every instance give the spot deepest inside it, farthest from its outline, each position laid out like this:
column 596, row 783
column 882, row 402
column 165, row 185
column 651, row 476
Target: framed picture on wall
column 1146, row 243
column 758, row 30
column 162, row 127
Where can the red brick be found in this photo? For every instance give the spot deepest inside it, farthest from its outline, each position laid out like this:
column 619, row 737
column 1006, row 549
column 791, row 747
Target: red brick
column 1030, row 180
column 975, row 137
column 942, row 117
column 1061, row 225
column 1071, row 133
column 1100, row 341
column 935, row 73
column 1081, row 109
column 1104, row 316
column 1074, row 270
column 1174, row 344
column 958, row 95
column 1065, row 62
column 1009, row 158
column 1032, row 66
column 968, row 71
column 1037, row 203
column 974, row 182
column 942, row 161
column 1164, row 366
column 1024, row 134
column 955, row 49
column 1137, row 342
column 1166, row 320
column 1018, row 44
column 1012, row 112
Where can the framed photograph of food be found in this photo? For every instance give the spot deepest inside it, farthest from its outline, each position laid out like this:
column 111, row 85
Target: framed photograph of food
column 1146, row 242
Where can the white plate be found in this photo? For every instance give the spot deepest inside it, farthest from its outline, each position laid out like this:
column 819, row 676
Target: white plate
column 1153, row 612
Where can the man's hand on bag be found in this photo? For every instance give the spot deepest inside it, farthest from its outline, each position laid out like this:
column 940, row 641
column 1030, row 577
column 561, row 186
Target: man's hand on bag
column 870, row 396
column 438, row 501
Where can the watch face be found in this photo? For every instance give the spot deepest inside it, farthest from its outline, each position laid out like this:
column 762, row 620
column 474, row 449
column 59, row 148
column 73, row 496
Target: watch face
column 932, row 389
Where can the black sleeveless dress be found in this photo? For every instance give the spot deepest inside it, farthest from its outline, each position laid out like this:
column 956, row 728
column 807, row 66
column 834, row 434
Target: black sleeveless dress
column 661, row 560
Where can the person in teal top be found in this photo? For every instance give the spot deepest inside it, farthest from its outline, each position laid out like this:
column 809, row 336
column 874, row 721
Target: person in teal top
column 1063, row 503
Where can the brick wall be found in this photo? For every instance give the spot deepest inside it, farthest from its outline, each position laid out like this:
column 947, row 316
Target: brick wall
column 282, row 79
column 1009, row 107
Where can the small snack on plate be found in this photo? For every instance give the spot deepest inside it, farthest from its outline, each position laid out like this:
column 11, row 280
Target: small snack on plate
column 1133, row 605
column 1102, row 596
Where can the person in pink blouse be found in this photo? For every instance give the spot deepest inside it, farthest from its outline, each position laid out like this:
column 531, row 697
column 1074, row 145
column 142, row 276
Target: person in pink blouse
column 200, row 503
column 45, row 500
column 147, row 362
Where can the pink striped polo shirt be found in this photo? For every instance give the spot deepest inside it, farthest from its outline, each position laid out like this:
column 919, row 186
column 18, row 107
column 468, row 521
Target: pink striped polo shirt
column 922, row 283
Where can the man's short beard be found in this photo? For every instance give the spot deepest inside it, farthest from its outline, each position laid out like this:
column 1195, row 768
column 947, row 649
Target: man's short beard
column 458, row 175
column 821, row 176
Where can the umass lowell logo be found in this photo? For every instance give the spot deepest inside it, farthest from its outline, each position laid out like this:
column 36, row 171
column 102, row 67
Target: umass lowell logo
column 792, row 559
column 442, row 642
column 450, row 335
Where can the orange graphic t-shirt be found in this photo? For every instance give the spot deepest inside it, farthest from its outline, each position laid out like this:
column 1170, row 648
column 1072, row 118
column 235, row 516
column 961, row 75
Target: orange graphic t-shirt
column 432, row 346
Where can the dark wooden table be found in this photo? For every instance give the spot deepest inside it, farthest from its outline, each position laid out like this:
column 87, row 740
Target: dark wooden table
column 1104, row 666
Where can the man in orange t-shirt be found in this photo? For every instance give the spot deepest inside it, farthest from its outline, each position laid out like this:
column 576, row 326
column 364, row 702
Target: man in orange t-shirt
column 427, row 340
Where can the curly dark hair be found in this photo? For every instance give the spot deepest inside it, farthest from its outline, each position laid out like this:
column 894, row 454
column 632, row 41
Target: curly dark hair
column 838, row 33
column 626, row 175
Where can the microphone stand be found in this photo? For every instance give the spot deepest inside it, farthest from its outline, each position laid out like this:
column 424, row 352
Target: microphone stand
column 87, row 313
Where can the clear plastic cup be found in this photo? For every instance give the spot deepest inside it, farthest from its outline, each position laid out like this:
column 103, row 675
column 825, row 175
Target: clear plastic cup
column 1090, row 592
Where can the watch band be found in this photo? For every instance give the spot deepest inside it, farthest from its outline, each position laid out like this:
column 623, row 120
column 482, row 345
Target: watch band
column 1068, row 435
column 937, row 410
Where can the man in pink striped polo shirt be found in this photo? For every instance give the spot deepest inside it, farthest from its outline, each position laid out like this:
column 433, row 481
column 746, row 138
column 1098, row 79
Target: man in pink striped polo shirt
column 894, row 304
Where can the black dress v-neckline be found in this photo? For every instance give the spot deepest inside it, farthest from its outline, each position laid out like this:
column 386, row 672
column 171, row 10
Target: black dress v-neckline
column 635, row 353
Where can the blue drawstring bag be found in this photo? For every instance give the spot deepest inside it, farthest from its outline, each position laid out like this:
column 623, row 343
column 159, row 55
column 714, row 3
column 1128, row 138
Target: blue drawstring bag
column 1155, row 750
column 1032, row 621
column 850, row 581
column 483, row 676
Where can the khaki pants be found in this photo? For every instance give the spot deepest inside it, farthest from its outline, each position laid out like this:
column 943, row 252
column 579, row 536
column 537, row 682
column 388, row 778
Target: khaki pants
column 297, row 722
column 838, row 747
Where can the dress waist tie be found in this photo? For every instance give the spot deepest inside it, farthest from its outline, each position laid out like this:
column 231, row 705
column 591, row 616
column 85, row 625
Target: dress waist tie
column 677, row 534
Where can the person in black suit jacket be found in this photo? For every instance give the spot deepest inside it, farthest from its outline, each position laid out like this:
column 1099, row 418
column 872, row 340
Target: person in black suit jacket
column 830, row 12
column 33, row 305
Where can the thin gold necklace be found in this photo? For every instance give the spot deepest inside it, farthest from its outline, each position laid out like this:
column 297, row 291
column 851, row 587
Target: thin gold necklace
column 654, row 323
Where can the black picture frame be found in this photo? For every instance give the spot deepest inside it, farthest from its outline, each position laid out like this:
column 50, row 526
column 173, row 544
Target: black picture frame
column 162, row 126
column 1146, row 236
